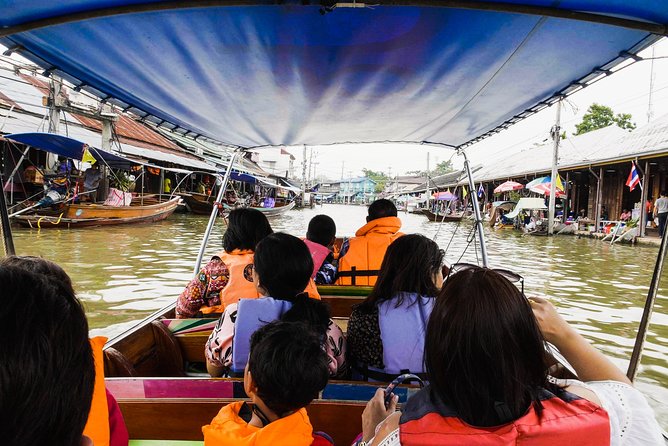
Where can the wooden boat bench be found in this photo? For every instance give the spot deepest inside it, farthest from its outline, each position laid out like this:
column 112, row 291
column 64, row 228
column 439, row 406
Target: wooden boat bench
column 160, row 345
column 192, row 334
column 177, row 408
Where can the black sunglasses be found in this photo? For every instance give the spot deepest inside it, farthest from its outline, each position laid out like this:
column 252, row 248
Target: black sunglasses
column 510, row 275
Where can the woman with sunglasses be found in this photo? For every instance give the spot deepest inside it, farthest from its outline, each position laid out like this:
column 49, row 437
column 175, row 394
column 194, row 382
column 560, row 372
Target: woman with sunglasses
column 488, row 378
column 386, row 331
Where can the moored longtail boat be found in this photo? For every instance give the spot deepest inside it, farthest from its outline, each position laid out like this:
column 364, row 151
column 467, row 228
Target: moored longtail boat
column 435, row 72
column 455, row 216
column 202, row 204
column 88, row 215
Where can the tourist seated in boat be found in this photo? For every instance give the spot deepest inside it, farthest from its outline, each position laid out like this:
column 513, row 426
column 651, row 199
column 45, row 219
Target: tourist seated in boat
column 366, row 250
column 105, row 423
column 51, row 376
column 320, row 238
column 228, row 276
column 92, row 178
column 386, row 332
column 283, row 267
column 278, row 392
column 488, row 378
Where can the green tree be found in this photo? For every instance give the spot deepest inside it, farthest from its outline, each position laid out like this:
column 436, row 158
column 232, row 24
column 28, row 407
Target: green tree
column 379, row 177
column 599, row 116
column 441, row 169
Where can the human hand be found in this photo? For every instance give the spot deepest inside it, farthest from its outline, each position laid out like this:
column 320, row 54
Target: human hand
column 551, row 324
column 375, row 412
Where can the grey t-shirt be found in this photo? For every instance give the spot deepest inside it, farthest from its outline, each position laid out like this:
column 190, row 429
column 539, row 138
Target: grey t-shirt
column 661, row 205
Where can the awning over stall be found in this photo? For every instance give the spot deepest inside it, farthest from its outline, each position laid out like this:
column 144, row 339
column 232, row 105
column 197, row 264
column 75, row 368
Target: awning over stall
column 284, row 73
column 70, row 148
column 74, row 149
column 527, row 204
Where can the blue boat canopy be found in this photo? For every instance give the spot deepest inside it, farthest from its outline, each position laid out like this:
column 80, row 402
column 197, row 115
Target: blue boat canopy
column 71, row 148
column 262, row 73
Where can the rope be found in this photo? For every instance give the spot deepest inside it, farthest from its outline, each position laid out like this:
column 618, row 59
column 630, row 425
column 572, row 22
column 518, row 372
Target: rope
column 39, row 222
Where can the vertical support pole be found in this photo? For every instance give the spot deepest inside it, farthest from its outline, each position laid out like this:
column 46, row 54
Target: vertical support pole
column 214, row 211
column 428, row 191
column 304, row 176
column 142, row 185
column 597, row 213
column 5, row 228
column 643, row 200
column 106, row 146
column 54, row 116
column 567, row 189
column 556, row 136
column 647, row 311
column 476, row 211
column 162, row 183
column 599, row 198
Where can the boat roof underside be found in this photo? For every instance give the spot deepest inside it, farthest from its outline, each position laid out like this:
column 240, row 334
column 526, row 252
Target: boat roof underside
column 252, row 74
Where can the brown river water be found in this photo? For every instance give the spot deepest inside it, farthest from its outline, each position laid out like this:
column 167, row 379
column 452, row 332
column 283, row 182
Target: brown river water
column 124, row 273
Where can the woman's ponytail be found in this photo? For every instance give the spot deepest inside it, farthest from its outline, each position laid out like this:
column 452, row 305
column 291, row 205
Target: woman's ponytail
column 311, row 311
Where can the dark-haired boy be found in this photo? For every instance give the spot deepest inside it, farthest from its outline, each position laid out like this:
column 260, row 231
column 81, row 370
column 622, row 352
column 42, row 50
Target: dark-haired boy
column 286, row 370
column 320, row 238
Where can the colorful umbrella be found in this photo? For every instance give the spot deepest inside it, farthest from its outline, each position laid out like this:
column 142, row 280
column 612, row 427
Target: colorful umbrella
column 544, row 189
column 536, row 182
column 444, row 196
column 508, row 186
column 542, row 186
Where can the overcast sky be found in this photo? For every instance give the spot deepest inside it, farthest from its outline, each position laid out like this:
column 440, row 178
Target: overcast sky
column 626, row 92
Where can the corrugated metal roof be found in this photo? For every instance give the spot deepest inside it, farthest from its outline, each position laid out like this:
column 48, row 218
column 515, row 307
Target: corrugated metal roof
column 136, row 139
column 581, row 150
column 18, row 122
column 127, row 128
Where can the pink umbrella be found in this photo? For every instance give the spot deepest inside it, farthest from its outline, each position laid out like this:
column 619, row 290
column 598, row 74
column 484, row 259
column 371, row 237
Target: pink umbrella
column 508, row 186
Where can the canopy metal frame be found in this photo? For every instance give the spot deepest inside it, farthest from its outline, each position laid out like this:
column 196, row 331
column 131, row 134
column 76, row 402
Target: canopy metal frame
column 518, row 8
column 656, row 30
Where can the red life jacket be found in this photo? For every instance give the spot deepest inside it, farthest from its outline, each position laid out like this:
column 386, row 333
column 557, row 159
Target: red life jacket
column 319, row 254
column 566, row 420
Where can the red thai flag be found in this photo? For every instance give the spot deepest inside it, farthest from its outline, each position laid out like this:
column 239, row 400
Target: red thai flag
column 634, row 178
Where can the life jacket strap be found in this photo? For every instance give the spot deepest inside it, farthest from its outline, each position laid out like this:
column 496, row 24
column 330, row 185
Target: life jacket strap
column 354, row 273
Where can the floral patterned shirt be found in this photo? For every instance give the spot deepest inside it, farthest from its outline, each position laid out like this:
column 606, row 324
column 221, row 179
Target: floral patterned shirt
column 204, row 289
column 218, row 349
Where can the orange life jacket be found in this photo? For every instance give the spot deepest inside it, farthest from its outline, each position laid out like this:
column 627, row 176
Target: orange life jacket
column 367, row 249
column 228, row 428
column 566, row 420
column 240, row 265
column 97, row 426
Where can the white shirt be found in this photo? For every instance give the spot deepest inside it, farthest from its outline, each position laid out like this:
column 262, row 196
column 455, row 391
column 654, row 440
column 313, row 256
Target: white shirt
column 661, row 205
